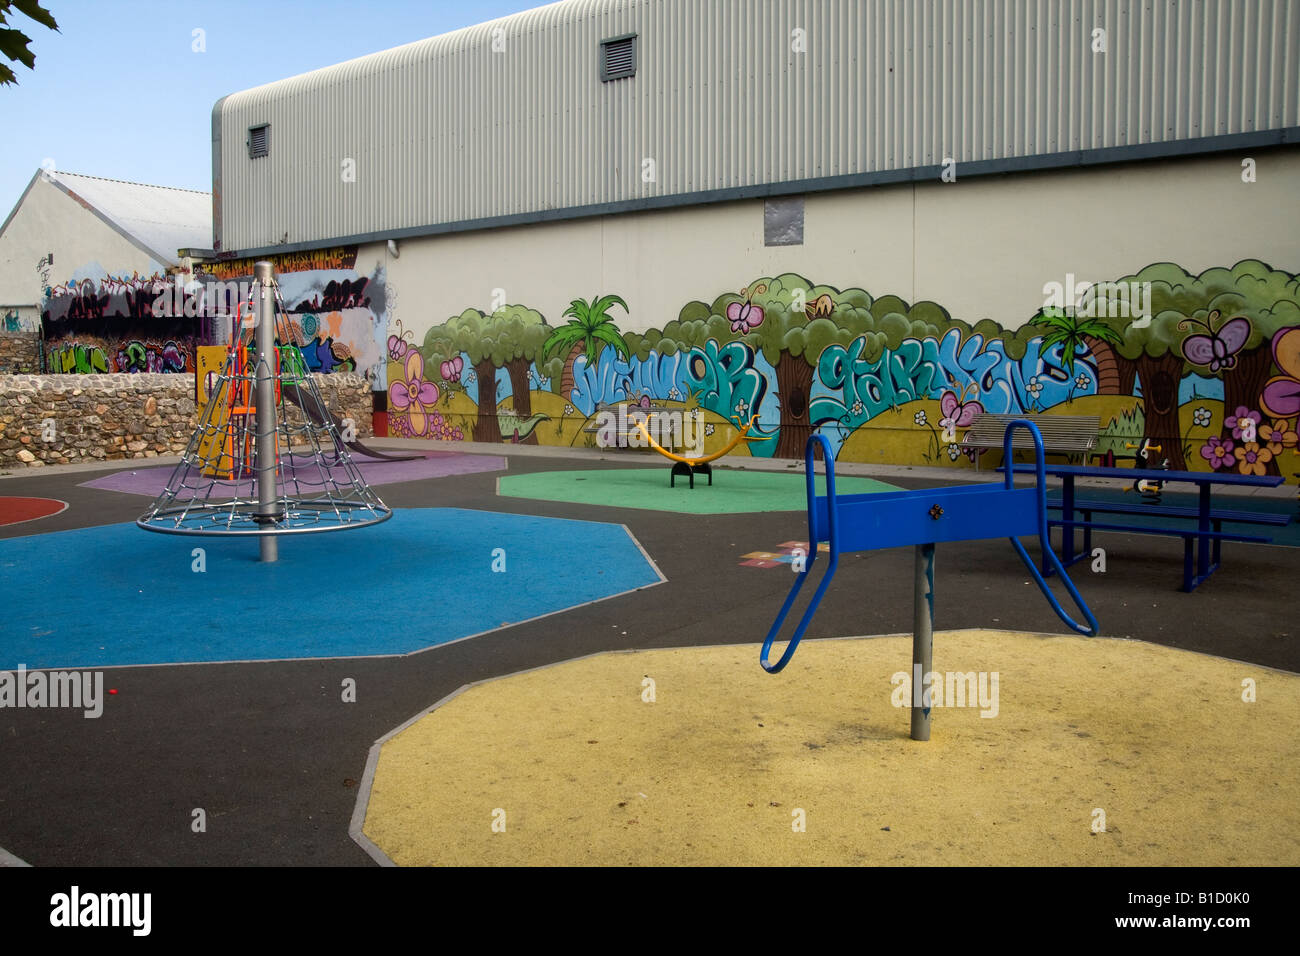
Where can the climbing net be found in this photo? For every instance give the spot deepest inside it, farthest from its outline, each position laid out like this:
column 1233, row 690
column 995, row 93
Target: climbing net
column 214, row 488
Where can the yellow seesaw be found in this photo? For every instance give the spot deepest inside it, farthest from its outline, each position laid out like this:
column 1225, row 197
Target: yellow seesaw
column 690, row 467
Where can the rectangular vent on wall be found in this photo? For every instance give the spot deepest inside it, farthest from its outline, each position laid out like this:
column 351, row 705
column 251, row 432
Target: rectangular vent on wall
column 259, row 141
column 618, row 58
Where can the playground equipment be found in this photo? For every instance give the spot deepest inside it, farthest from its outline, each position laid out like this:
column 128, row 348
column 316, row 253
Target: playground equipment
column 690, row 467
column 256, row 463
column 1143, row 458
column 319, row 416
column 923, row 518
column 1149, row 490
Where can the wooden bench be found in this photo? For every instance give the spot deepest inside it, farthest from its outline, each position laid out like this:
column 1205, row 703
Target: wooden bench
column 1062, row 434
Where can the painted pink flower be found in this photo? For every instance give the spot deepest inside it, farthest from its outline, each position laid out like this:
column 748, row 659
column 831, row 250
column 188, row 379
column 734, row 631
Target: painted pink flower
column 1218, row 452
column 744, row 316
column 397, row 347
column 1281, row 395
column 1240, row 421
column 413, row 394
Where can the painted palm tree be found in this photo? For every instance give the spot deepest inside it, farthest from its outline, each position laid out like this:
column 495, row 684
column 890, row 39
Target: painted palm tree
column 589, row 330
column 1073, row 332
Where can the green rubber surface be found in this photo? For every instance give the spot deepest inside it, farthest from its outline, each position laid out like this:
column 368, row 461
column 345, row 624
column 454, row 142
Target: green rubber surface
column 732, row 492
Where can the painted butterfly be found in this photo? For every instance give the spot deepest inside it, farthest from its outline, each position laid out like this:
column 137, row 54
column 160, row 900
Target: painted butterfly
column 1217, row 349
column 452, row 368
column 745, row 315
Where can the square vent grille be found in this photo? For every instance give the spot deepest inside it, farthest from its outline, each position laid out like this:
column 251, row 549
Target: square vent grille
column 618, row 58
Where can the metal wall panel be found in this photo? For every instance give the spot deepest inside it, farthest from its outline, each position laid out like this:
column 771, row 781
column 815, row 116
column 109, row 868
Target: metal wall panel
column 449, row 130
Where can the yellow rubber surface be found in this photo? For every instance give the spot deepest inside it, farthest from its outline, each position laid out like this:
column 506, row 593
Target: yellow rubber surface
column 572, row 766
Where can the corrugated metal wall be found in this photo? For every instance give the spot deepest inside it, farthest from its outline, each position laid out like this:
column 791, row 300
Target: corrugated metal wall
column 446, row 130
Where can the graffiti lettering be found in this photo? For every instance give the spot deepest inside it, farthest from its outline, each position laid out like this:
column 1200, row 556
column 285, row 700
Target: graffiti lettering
column 70, row 357
column 858, row 390
column 348, row 294
column 326, row 355
column 136, row 356
column 341, row 257
column 861, row 389
column 614, row 379
column 727, row 379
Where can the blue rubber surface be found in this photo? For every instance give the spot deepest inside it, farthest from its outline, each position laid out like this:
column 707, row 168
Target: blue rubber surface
column 117, row 595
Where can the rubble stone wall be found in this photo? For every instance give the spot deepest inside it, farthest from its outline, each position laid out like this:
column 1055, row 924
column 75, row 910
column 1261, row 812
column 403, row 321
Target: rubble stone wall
column 65, row 419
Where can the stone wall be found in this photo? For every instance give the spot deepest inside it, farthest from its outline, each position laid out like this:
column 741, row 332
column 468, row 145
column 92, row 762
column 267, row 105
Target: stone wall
column 19, row 352
column 63, row 419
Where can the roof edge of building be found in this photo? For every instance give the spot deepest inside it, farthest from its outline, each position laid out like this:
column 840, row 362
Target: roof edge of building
column 1073, row 159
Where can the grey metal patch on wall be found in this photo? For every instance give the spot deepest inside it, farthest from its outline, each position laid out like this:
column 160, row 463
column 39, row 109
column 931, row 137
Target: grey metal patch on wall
column 783, row 221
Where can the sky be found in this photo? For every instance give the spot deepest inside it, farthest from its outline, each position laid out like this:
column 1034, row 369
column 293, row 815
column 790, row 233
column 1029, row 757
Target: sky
column 125, row 89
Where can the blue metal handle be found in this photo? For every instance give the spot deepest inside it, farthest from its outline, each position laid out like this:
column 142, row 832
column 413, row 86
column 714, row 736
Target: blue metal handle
column 1044, row 536
column 832, row 529
column 832, row 536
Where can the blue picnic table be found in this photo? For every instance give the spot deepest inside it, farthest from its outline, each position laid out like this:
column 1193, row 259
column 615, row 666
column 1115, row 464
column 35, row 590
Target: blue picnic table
column 1077, row 513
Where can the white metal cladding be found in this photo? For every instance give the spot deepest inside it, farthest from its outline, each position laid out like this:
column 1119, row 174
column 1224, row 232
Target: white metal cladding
column 448, row 131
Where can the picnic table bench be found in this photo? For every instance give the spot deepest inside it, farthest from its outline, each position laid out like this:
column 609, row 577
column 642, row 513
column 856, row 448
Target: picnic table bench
column 1205, row 526
column 1062, row 434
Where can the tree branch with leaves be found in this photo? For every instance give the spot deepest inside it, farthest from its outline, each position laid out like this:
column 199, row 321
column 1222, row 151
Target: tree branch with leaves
column 14, row 44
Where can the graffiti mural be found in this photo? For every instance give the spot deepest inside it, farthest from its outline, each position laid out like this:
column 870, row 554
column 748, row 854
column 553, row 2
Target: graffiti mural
column 1205, row 367
column 76, row 358
column 337, row 316
column 154, row 323
column 137, row 356
column 115, row 324
column 110, row 296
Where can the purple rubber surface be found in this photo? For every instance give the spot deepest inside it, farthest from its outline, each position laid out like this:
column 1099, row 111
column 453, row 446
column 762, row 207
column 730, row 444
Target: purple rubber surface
column 435, row 464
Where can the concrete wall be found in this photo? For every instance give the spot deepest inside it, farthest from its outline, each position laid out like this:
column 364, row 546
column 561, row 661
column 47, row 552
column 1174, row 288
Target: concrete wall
column 982, row 248
column 904, row 312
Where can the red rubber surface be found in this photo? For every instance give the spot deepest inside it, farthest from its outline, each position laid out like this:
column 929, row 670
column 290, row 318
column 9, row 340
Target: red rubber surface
column 13, row 510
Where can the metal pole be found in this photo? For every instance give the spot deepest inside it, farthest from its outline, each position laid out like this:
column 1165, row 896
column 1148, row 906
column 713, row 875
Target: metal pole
column 922, row 638
column 266, row 496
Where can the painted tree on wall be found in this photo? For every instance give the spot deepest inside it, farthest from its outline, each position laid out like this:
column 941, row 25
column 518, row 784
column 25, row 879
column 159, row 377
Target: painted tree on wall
column 518, row 334
column 678, row 336
column 773, row 315
column 1073, row 333
column 588, row 331
column 799, row 320
column 490, row 341
column 1185, row 307
column 793, row 321
column 1269, row 300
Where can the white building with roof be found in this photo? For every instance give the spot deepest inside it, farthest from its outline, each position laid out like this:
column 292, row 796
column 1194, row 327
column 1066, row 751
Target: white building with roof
column 68, row 227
